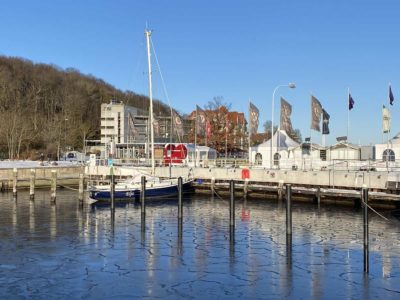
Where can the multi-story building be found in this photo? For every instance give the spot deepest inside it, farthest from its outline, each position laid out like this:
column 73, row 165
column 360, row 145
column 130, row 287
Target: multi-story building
column 125, row 130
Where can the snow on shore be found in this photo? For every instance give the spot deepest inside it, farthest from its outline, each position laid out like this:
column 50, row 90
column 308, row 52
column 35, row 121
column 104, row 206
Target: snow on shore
column 10, row 164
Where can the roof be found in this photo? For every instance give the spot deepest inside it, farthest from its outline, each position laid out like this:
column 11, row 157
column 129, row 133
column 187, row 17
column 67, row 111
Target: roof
column 313, row 146
column 343, row 144
column 280, row 139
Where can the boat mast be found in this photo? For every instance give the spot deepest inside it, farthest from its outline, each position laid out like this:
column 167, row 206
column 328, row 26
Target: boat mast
column 148, row 33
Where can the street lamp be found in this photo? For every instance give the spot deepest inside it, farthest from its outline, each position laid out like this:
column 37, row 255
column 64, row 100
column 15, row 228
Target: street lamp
column 107, row 108
column 292, row 86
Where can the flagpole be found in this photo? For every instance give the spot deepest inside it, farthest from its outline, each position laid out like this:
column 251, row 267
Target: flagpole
column 348, row 123
column 195, row 139
column 249, row 135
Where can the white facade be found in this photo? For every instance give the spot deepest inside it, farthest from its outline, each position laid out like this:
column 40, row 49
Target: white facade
column 344, row 151
column 114, row 122
column 261, row 154
column 389, row 150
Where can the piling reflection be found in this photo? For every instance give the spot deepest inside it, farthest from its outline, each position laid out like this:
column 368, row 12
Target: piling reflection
column 180, row 237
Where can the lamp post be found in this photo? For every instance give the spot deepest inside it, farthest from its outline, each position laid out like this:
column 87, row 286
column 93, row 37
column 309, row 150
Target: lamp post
column 105, row 131
column 289, row 85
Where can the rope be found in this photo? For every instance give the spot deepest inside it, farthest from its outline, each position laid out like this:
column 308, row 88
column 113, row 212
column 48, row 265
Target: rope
column 224, row 199
column 164, row 86
column 386, row 219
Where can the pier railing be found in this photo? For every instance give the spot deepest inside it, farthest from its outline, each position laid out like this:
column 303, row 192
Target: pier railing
column 304, row 164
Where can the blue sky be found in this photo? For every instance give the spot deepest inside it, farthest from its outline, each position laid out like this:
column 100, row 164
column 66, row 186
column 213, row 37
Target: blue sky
column 239, row 50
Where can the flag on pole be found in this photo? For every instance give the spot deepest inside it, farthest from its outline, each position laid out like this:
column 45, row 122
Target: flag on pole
column 391, row 98
column 351, row 102
column 286, row 111
column 200, row 121
column 178, row 123
column 316, row 111
column 325, row 122
column 254, row 114
column 385, row 119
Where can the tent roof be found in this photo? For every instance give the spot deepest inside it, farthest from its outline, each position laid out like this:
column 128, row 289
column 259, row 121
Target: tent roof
column 395, row 139
column 281, row 139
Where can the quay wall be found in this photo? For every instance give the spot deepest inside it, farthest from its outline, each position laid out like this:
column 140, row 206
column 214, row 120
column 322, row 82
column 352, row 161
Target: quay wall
column 325, row 178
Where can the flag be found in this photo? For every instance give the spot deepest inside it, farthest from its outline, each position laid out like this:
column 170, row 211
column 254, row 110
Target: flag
column 253, row 114
column 325, row 122
column 316, row 111
column 391, row 98
column 200, row 121
column 385, row 119
column 178, row 123
column 286, row 111
column 351, row 102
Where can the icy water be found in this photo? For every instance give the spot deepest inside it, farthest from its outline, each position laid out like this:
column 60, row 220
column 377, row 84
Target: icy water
column 66, row 251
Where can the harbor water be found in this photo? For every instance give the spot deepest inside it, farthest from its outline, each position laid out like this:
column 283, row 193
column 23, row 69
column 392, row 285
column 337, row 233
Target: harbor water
column 67, row 250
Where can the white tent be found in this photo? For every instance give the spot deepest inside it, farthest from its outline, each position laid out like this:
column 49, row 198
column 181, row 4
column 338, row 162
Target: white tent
column 261, row 154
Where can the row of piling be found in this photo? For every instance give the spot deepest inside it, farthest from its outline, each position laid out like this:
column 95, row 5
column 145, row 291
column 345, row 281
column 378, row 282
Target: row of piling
column 53, row 185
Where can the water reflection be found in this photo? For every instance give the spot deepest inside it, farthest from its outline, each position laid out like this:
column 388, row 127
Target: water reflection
column 198, row 256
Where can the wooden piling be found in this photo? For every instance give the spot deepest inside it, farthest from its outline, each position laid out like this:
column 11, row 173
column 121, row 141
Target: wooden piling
column 318, row 196
column 53, row 185
column 81, row 183
column 232, row 204
column 143, row 196
column 180, row 191
column 245, row 187
column 280, row 190
column 15, row 180
column 212, row 185
column 112, row 192
column 366, row 229
column 32, row 185
column 288, row 209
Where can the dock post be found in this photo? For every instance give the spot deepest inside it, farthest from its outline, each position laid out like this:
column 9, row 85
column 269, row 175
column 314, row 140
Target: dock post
column 212, row 185
column 246, row 187
column 280, row 190
column 143, row 196
column 15, row 180
column 319, row 196
column 366, row 233
column 53, row 185
column 32, row 185
column 289, row 209
column 81, row 180
column 112, row 191
column 232, row 204
column 180, row 190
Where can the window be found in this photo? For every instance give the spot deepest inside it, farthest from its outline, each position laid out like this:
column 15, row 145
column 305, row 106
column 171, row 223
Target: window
column 277, row 157
column 388, row 155
column 258, row 159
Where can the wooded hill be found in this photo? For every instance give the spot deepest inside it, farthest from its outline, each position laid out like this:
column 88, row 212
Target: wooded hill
column 43, row 107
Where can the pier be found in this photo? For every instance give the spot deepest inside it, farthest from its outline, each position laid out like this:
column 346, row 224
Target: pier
column 259, row 182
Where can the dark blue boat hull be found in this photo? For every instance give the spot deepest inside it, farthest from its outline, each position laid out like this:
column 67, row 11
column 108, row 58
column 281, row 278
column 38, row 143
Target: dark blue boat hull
column 134, row 194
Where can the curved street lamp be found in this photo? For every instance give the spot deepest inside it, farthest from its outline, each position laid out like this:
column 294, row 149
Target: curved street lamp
column 289, row 85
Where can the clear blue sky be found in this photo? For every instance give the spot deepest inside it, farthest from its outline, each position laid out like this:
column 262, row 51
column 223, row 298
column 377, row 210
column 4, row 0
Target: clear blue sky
column 235, row 49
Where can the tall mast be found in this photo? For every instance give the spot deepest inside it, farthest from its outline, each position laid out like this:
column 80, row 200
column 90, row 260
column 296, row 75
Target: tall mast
column 148, row 33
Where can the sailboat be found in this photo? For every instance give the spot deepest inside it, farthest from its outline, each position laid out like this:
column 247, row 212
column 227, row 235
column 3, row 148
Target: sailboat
column 155, row 186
